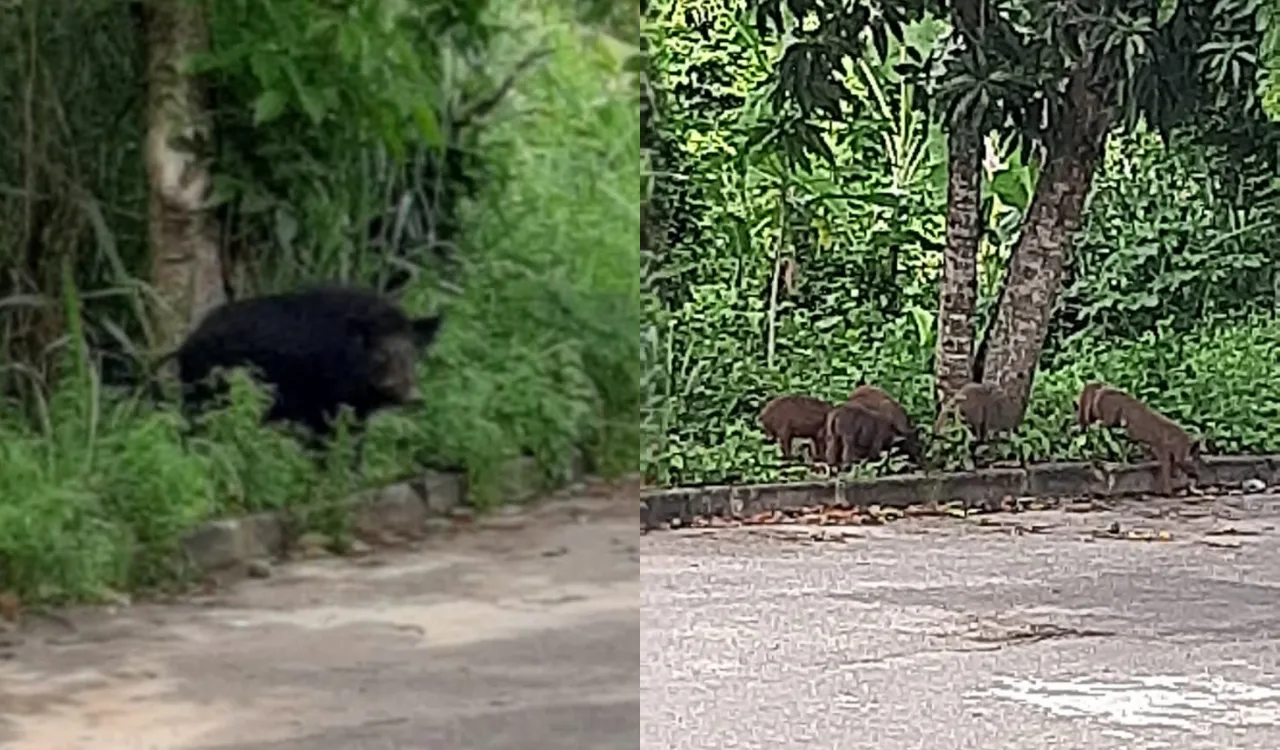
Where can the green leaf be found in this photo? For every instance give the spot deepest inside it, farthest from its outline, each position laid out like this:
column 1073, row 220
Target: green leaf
column 268, row 106
column 428, row 125
column 1011, row 186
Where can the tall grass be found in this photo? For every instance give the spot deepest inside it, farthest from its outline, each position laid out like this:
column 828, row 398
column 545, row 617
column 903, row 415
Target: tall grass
column 539, row 357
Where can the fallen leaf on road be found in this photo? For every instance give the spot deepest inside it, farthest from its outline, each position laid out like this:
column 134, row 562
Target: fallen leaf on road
column 760, row 518
column 1146, row 535
column 923, row 509
column 843, row 515
column 876, row 514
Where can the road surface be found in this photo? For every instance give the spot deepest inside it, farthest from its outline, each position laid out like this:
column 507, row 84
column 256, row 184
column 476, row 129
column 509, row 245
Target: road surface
column 512, row 639
column 1026, row 632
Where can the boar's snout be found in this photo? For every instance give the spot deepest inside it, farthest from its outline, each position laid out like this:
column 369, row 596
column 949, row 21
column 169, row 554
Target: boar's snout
column 413, row 396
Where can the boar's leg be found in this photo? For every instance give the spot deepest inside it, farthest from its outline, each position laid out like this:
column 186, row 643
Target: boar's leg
column 974, row 445
column 818, row 447
column 784, row 441
column 834, row 449
column 1189, row 469
column 1164, row 482
column 980, row 429
column 849, row 454
column 879, row 442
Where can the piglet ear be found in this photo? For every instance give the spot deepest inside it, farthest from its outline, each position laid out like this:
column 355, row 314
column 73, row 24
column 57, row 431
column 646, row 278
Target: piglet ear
column 425, row 330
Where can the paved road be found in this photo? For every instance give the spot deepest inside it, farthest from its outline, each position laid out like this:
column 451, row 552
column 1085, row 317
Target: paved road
column 506, row 640
column 945, row 634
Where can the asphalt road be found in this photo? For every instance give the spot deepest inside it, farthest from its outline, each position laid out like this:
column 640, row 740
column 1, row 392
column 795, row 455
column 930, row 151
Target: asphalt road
column 1026, row 631
column 523, row 638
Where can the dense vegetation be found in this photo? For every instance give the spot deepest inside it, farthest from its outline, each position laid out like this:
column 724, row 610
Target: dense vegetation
column 405, row 155
column 790, row 250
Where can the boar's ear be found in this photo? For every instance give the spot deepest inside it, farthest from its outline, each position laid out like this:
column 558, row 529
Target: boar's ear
column 425, row 330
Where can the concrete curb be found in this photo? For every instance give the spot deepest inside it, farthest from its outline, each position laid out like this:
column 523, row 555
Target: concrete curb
column 408, row 509
column 661, row 506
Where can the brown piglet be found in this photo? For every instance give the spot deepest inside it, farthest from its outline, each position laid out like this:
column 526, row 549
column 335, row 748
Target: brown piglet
column 856, row 432
column 788, row 417
column 878, row 400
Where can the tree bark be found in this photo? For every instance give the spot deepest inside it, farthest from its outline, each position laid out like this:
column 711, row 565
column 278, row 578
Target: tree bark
column 1034, row 276
column 953, row 358
column 958, row 296
column 185, row 263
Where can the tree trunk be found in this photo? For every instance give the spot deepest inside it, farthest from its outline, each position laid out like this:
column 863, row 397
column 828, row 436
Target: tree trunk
column 953, row 358
column 1034, row 275
column 771, row 335
column 185, row 264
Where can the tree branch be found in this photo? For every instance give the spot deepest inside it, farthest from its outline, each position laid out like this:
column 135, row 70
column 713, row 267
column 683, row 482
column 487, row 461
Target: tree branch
column 483, row 107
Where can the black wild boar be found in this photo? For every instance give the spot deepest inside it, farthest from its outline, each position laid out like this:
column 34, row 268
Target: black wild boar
column 1169, row 444
column 788, row 417
column 879, row 400
column 855, row 432
column 320, row 348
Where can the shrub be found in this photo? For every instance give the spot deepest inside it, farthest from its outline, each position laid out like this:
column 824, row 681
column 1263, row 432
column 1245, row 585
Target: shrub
column 1220, row 382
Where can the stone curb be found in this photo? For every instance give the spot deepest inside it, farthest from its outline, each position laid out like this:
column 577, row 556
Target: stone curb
column 408, row 509
column 661, row 506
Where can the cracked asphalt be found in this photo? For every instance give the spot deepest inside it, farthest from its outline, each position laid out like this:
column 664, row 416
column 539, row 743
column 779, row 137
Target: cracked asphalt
column 1000, row 631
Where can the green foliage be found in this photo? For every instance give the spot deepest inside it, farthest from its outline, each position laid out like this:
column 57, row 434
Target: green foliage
column 535, row 193
column 1176, row 236
column 1165, row 64
column 365, row 67
column 98, row 500
column 1221, row 383
column 539, row 357
column 331, row 117
column 1170, row 295
column 1269, row 58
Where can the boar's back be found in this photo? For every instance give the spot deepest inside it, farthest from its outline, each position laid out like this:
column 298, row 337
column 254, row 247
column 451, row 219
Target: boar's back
column 319, row 348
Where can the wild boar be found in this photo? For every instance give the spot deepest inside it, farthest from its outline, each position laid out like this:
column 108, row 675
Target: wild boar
column 788, row 417
column 879, row 400
column 1168, row 443
column 319, row 349
column 856, row 432
column 983, row 407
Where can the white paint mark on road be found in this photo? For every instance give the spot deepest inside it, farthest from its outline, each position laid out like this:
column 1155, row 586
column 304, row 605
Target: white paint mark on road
column 1186, row 703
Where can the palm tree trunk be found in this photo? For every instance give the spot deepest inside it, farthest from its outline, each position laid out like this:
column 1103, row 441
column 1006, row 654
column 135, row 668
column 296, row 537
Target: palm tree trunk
column 953, row 358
